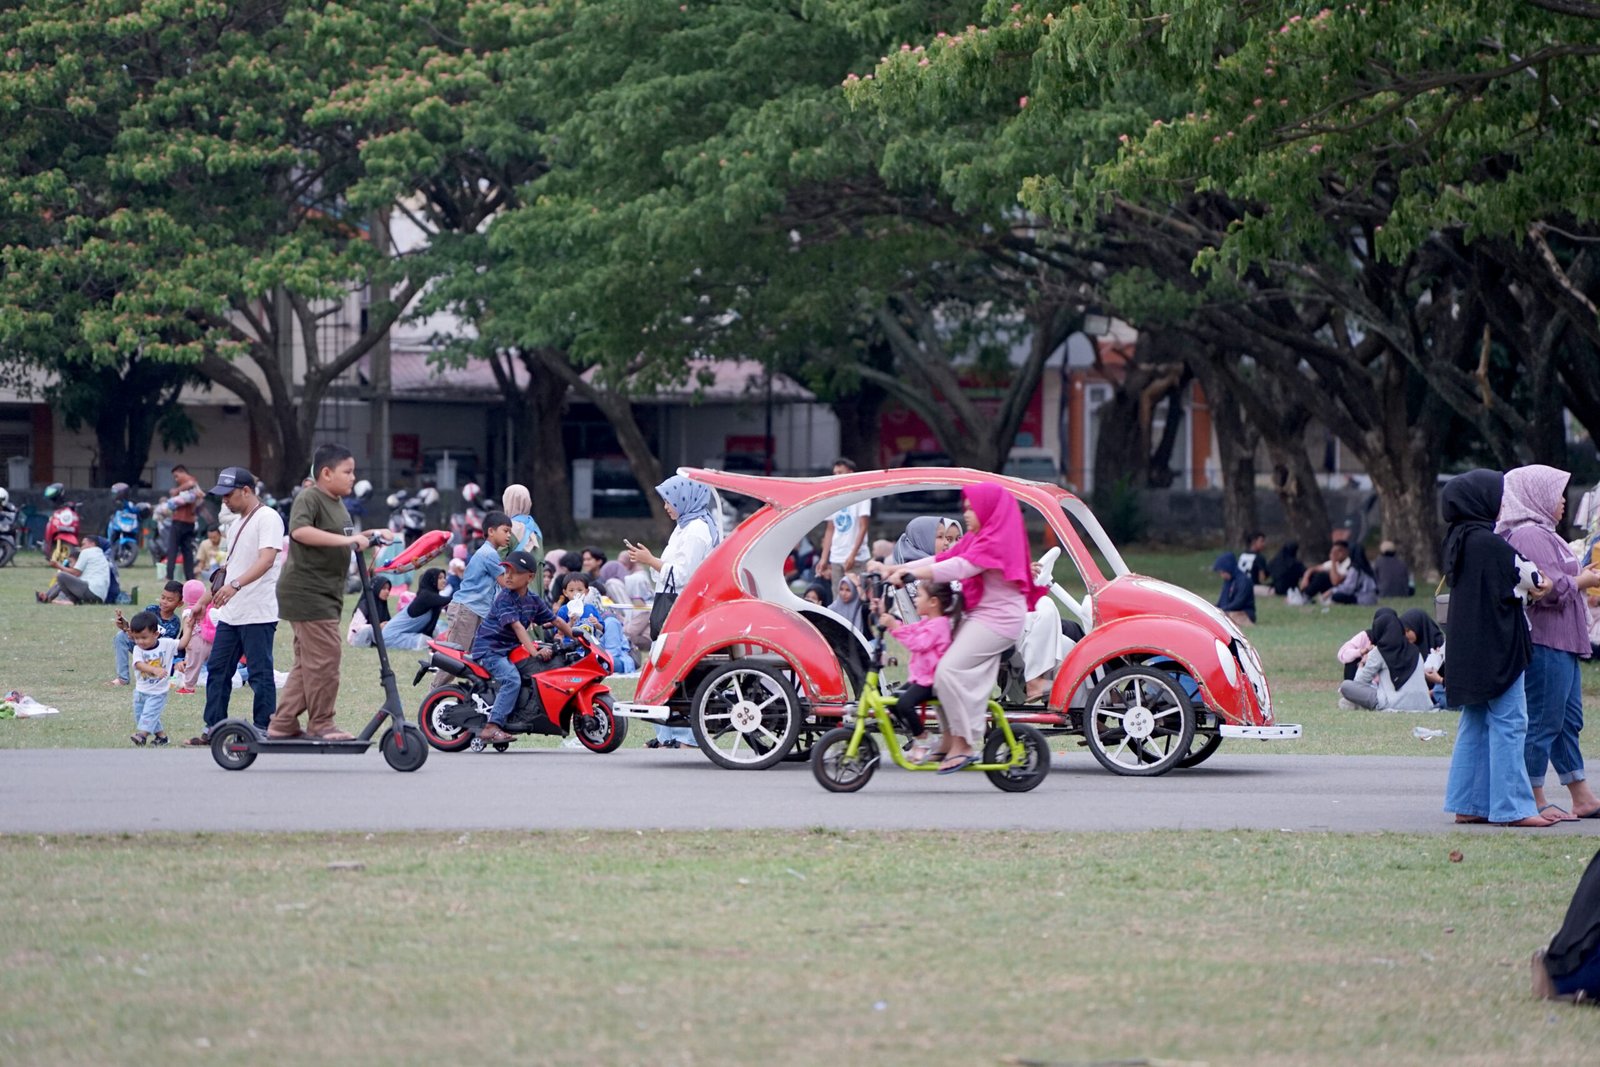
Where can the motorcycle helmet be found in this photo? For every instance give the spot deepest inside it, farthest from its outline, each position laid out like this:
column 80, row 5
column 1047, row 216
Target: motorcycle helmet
column 470, row 491
column 362, row 489
column 430, row 496
column 5, row 497
column 119, row 489
column 54, row 491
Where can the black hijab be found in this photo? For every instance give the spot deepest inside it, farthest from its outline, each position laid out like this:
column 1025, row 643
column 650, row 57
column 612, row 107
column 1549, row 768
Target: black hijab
column 428, row 601
column 1419, row 622
column 1489, row 642
column 1579, row 935
column 1359, row 560
column 379, row 604
column 1388, row 635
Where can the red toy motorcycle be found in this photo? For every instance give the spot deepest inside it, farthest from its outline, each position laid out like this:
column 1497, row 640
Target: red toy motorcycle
column 61, row 532
column 563, row 694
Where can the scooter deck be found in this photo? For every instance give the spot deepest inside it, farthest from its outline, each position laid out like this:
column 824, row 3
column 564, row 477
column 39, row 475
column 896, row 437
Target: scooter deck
column 353, row 747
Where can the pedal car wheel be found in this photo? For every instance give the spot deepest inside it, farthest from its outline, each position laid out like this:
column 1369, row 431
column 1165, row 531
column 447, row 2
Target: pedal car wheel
column 408, row 758
column 605, row 732
column 233, row 746
column 1138, row 722
column 833, row 771
column 431, row 718
column 501, row 746
column 1204, row 746
column 1035, row 766
column 745, row 716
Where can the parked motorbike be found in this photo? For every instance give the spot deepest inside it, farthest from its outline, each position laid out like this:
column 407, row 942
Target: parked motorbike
column 466, row 526
column 61, row 532
column 563, row 694
column 8, row 528
column 409, row 517
column 124, row 527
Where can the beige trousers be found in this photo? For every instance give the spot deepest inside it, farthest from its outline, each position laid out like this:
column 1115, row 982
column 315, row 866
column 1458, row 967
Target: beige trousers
column 313, row 684
column 965, row 679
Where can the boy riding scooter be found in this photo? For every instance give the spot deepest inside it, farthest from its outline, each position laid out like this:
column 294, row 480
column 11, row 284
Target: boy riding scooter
column 506, row 627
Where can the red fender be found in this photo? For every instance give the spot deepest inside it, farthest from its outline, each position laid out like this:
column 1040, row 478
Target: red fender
column 747, row 622
column 1154, row 635
column 586, row 696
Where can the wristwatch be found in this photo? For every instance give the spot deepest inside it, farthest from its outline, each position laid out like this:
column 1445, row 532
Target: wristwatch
column 236, row 585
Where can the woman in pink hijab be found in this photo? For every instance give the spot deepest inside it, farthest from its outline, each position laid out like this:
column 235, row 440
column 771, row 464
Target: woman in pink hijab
column 995, row 570
column 1534, row 500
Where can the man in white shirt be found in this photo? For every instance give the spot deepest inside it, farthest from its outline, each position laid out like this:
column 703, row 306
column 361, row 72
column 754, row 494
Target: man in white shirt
column 844, row 543
column 245, row 607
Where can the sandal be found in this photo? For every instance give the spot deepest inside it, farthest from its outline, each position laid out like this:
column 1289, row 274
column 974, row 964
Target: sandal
column 203, row 741
column 160, row 739
column 922, row 752
column 654, row 742
column 139, row 738
column 1558, row 813
column 959, row 762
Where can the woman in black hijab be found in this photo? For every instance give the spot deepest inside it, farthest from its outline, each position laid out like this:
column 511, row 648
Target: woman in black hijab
column 1286, row 568
column 1423, row 632
column 1390, row 677
column 1489, row 650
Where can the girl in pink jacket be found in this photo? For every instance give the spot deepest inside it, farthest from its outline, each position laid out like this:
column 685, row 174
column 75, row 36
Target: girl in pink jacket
column 939, row 609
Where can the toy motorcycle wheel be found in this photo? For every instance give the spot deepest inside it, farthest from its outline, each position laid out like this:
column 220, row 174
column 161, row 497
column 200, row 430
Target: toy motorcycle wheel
column 833, row 770
column 1138, row 722
column 404, row 751
column 745, row 716
column 233, row 746
column 501, row 746
column 1035, row 766
column 431, row 717
column 601, row 731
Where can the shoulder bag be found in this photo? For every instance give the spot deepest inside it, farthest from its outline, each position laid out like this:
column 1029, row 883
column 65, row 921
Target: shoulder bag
column 219, row 577
column 661, row 606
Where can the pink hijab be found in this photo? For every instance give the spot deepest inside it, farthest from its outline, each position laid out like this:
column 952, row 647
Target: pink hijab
column 1532, row 494
column 1000, row 544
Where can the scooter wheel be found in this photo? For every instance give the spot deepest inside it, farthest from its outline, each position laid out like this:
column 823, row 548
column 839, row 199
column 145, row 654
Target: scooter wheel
column 412, row 755
column 501, row 746
column 126, row 554
column 233, row 746
column 833, row 771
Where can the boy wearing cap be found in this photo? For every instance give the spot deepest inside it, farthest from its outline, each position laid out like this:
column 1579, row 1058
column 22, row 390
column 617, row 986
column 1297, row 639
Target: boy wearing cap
column 503, row 629
column 311, row 596
column 245, row 606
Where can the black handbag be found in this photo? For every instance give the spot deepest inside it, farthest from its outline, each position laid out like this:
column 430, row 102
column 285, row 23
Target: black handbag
column 661, row 606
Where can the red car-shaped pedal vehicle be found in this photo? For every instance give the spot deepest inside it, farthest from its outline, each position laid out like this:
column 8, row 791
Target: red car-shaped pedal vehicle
column 1156, row 678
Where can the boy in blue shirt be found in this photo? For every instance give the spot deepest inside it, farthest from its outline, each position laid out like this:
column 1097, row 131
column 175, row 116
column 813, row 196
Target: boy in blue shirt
column 504, row 628
column 479, row 585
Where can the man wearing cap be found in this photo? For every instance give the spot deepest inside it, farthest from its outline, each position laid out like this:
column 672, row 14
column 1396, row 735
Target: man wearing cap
column 311, row 596
column 245, row 606
column 503, row 629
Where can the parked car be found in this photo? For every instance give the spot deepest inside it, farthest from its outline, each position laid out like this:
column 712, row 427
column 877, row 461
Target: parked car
column 1157, row 680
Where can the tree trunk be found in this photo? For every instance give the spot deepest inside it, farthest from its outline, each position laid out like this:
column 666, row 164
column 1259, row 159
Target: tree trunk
column 543, row 465
column 1295, row 480
column 860, row 429
column 1236, row 453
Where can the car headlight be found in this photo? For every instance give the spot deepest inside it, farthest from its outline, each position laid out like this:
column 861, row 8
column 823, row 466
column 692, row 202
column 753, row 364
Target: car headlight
column 1229, row 665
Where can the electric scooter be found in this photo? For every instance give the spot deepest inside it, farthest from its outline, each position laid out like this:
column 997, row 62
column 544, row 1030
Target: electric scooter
column 235, row 743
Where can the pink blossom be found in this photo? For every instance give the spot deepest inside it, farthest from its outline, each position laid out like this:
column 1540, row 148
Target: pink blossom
column 905, row 48
column 1016, row 7
column 1022, row 102
column 923, row 62
column 1123, row 138
column 1315, row 149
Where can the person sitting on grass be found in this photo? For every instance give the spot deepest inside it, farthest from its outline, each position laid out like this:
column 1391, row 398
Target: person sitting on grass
column 168, row 621
column 1390, row 677
column 153, row 656
column 196, row 635
column 84, row 579
column 1423, row 632
column 1238, row 598
column 210, row 554
column 503, row 629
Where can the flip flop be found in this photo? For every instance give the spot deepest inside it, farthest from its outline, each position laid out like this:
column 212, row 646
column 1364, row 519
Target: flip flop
column 960, row 762
column 1595, row 814
column 1558, row 813
column 203, row 741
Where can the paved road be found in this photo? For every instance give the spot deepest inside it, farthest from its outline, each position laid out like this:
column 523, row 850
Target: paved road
column 105, row 790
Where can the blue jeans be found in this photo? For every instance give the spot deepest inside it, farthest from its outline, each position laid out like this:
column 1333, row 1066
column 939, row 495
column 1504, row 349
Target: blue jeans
column 147, row 709
column 1555, row 716
column 1488, row 774
column 122, row 644
column 508, row 685
column 1585, row 979
column 253, row 641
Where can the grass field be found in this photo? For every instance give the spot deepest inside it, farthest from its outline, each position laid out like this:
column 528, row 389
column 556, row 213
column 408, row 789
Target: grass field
column 764, row 947
column 803, row 948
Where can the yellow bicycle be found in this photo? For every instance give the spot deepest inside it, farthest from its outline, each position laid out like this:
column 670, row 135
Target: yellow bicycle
column 1016, row 758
